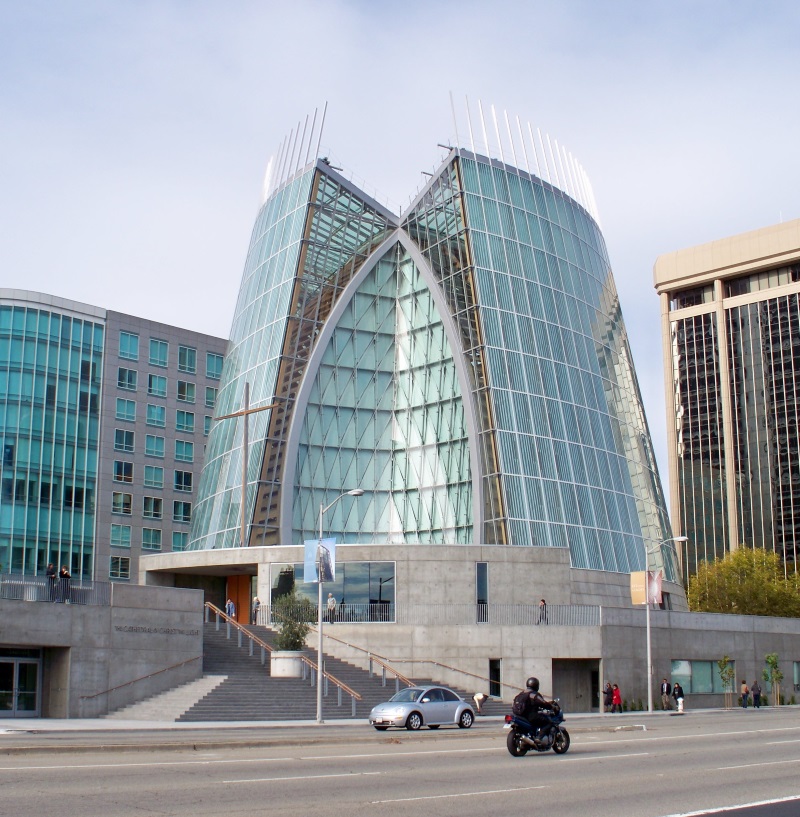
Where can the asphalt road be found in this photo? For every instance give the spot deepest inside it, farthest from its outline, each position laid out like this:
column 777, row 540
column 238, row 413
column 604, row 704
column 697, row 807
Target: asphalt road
column 678, row 766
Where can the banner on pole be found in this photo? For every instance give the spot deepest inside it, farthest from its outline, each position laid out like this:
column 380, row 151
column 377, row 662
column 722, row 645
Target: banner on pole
column 327, row 551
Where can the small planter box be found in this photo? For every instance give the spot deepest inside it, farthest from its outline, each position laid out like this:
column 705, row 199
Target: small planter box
column 286, row 664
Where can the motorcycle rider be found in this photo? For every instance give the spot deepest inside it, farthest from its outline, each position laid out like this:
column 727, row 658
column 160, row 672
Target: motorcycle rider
column 537, row 703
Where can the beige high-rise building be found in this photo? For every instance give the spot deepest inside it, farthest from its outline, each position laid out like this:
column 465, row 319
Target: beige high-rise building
column 730, row 318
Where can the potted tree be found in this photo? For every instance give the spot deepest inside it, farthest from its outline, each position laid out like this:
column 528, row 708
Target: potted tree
column 292, row 613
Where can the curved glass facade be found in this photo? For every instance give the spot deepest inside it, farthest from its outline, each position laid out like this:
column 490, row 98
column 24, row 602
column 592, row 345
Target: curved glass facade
column 466, row 365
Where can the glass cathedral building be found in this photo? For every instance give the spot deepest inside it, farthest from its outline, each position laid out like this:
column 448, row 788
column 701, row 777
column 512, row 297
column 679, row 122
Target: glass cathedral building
column 731, row 335
column 464, row 363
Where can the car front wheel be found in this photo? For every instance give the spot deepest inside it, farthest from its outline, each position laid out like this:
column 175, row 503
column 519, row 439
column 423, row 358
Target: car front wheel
column 414, row 721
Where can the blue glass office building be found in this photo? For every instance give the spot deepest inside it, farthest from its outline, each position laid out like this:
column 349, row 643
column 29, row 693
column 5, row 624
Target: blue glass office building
column 464, row 363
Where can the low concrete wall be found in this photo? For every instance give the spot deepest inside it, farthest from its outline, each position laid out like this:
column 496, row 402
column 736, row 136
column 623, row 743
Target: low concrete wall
column 92, row 654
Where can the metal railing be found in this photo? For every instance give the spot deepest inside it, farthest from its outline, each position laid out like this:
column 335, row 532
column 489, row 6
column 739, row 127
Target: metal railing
column 136, row 681
column 310, row 669
column 527, row 615
column 39, row 588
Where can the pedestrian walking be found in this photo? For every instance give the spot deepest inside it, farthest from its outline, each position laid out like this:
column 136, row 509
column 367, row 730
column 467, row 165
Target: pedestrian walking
column 542, row 612
column 616, row 699
column 608, row 697
column 745, row 694
column 755, row 690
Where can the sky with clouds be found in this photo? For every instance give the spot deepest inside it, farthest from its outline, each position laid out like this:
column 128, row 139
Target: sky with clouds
column 135, row 135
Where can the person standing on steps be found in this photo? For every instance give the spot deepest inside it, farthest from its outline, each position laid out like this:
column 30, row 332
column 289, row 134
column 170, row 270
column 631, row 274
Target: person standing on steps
column 230, row 609
column 256, row 608
column 331, row 608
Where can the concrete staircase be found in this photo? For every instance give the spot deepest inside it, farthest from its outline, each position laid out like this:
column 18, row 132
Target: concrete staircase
column 239, row 688
column 169, row 705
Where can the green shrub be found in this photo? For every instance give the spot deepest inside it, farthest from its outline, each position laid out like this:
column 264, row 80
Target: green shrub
column 294, row 614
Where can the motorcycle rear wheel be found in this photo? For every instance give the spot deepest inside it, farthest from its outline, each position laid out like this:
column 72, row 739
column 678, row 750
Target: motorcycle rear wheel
column 516, row 747
column 561, row 742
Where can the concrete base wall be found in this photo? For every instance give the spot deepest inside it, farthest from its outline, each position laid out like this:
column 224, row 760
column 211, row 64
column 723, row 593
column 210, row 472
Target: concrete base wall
column 92, row 654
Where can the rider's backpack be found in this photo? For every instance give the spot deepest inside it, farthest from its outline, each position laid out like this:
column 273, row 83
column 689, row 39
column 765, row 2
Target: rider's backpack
column 520, row 704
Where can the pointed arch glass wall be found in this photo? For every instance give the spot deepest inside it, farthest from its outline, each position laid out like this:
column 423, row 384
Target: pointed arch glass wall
column 386, row 413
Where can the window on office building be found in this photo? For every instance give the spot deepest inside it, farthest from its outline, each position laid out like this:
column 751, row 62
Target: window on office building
column 211, row 397
column 184, row 451
column 126, row 378
column 206, row 425
column 123, row 440
column 213, row 366
column 126, row 409
column 153, row 476
column 123, row 471
column 153, row 446
column 121, row 536
column 187, row 359
column 698, row 676
column 151, row 539
column 121, row 503
column 186, row 391
column 152, row 507
column 120, row 567
column 183, row 481
column 179, row 540
column 156, row 415
column 156, row 385
column 181, row 511
column 184, row 421
column 129, row 345
column 159, row 353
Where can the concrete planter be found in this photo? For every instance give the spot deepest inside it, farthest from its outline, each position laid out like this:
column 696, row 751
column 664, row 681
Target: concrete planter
column 288, row 664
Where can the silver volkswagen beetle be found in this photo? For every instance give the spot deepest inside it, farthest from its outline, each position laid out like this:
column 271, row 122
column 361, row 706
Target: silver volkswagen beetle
column 414, row 707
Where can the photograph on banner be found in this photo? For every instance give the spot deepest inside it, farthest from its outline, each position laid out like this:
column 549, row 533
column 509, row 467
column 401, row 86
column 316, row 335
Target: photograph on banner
column 310, row 558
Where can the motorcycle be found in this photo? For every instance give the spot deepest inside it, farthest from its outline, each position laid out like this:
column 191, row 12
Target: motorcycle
column 523, row 736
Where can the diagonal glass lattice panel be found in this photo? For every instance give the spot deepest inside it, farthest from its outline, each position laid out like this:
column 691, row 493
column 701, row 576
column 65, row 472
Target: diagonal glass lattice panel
column 386, row 414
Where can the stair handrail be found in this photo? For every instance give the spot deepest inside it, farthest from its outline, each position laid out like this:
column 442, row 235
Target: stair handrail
column 372, row 657
column 261, row 643
column 240, row 627
column 309, row 662
column 143, row 678
column 515, row 687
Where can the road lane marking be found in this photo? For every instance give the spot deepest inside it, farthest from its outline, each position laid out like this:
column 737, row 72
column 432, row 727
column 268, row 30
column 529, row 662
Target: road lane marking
column 751, row 765
column 389, row 755
column 460, row 794
column 397, row 754
column 604, row 757
column 303, row 777
column 66, row 767
column 723, row 809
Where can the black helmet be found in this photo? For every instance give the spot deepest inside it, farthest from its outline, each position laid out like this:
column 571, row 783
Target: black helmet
column 532, row 684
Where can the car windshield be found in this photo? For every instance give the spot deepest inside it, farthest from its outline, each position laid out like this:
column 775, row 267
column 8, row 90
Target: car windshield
column 407, row 695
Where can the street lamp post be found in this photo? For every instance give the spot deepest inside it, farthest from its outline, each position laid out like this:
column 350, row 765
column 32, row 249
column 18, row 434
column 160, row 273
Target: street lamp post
column 322, row 511
column 647, row 605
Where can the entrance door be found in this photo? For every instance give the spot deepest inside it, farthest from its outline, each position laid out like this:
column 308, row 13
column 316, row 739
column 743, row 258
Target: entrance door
column 19, row 688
